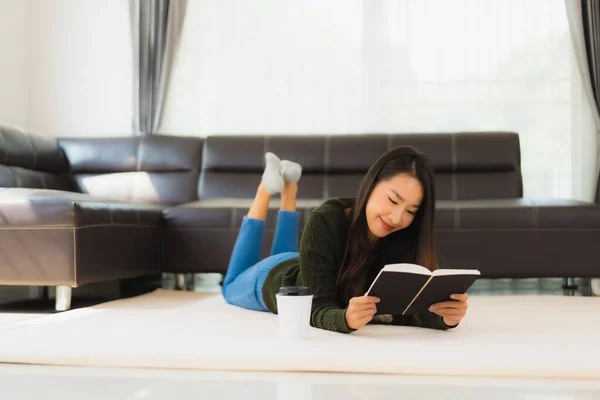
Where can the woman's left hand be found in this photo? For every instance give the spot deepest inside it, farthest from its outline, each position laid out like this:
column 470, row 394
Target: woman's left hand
column 452, row 311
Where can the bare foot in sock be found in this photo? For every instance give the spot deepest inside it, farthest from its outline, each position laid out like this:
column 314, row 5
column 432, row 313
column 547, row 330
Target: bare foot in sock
column 291, row 171
column 272, row 179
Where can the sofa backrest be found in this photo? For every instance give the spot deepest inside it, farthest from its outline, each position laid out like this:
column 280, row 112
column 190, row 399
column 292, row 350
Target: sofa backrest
column 29, row 161
column 157, row 169
column 468, row 165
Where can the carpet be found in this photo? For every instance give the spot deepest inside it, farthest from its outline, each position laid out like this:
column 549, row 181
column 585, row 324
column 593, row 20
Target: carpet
column 9, row 318
column 502, row 336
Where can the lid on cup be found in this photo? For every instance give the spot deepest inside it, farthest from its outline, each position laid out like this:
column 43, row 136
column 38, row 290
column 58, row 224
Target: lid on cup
column 294, row 291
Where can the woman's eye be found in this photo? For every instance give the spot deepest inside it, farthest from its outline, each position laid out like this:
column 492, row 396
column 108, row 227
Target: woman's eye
column 411, row 212
column 392, row 201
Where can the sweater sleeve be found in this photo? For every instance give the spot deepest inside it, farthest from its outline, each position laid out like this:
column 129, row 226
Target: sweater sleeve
column 318, row 272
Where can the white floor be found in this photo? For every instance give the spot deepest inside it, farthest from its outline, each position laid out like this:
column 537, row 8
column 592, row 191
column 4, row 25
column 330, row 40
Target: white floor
column 7, row 318
column 19, row 382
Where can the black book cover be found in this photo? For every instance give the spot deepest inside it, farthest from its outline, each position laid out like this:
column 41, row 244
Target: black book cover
column 409, row 288
column 396, row 290
column 439, row 289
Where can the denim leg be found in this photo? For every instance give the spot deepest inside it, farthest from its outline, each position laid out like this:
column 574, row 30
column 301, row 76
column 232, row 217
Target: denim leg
column 286, row 232
column 246, row 251
column 246, row 289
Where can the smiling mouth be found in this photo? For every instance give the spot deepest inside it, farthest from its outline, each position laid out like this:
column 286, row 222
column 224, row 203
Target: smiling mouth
column 385, row 225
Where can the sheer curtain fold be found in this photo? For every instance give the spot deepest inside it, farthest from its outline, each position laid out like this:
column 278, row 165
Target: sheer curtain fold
column 584, row 26
column 391, row 66
column 155, row 27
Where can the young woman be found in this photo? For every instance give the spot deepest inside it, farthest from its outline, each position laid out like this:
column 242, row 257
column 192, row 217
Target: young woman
column 344, row 244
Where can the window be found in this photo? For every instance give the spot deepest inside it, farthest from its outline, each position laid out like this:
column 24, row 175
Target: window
column 350, row 66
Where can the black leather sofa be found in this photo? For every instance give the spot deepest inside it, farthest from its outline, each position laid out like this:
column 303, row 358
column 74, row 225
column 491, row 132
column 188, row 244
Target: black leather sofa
column 77, row 211
column 482, row 219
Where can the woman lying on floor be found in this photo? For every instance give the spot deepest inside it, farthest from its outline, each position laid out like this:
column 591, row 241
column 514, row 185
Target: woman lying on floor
column 345, row 242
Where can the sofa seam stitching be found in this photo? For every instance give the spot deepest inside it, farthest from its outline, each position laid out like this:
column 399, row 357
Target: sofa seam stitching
column 457, row 217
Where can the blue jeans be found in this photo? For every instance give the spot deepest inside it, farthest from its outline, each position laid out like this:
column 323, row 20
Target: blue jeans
column 246, row 273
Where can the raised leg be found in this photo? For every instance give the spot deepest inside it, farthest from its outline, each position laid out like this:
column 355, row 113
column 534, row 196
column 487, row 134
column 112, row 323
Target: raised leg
column 286, row 231
column 246, row 250
column 260, row 204
column 63, row 298
column 288, row 196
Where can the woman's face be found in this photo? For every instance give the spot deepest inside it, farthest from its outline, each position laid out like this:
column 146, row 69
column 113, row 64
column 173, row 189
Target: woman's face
column 393, row 205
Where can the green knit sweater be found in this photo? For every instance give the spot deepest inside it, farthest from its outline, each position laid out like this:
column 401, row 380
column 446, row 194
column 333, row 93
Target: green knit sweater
column 322, row 248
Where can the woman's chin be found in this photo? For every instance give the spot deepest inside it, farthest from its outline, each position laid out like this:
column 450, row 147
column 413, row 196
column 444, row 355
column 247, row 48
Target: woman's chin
column 378, row 233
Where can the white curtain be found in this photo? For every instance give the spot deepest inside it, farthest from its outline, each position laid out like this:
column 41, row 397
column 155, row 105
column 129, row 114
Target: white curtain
column 370, row 66
column 575, row 18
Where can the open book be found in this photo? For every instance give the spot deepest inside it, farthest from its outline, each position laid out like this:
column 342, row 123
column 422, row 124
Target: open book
column 405, row 289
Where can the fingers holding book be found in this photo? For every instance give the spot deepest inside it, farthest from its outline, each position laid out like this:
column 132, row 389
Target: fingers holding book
column 360, row 311
column 452, row 311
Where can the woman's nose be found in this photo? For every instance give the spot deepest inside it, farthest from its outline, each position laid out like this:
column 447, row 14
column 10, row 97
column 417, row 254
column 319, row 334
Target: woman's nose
column 397, row 215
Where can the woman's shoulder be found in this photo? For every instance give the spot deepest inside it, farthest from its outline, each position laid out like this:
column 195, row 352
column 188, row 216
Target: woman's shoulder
column 335, row 208
column 326, row 227
column 332, row 214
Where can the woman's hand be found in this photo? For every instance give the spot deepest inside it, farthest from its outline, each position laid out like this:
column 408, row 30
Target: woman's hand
column 360, row 311
column 452, row 311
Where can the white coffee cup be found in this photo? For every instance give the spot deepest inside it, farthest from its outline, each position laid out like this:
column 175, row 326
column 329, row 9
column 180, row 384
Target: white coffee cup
column 293, row 308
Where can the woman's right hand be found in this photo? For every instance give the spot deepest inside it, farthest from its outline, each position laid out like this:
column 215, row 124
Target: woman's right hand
column 360, row 311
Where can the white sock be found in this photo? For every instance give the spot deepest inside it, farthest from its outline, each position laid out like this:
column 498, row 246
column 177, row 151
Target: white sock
column 291, row 171
column 272, row 179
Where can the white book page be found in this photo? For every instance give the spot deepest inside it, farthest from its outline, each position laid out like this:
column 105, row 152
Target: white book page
column 442, row 272
column 407, row 267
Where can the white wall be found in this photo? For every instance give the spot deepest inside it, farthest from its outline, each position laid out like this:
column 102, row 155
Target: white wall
column 66, row 67
column 81, row 67
column 15, row 88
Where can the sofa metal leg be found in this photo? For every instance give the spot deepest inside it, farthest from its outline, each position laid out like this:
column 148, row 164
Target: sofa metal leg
column 63, row 298
column 180, row 282
column 44, row 292
column 569, row 286
column 595, row 286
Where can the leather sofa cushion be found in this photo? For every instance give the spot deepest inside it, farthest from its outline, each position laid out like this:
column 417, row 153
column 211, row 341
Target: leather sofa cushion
column 50, row 208
column 449, row 152
column 158, row 169
column 29, row 151
column 502, row 214
column 227, row 213
column 517, row 214
column 32, row 161
column 503, row 238
column 467, row 165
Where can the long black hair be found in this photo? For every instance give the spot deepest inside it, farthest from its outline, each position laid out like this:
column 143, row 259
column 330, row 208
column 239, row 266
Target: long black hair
column 414, row 244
